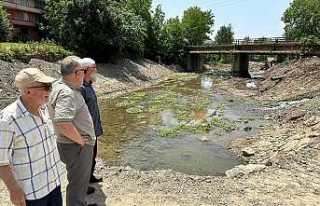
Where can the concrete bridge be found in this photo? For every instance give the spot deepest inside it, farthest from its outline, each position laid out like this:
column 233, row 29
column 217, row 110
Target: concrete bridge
column 242, row 48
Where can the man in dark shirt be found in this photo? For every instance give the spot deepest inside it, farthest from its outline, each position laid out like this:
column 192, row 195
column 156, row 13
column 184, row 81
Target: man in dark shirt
column 90, row 98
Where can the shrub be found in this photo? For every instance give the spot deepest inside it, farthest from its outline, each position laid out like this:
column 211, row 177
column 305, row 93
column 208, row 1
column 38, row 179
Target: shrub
column 25, row 51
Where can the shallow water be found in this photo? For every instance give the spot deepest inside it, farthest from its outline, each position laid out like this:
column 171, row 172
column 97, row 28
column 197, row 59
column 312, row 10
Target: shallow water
column 178, row 125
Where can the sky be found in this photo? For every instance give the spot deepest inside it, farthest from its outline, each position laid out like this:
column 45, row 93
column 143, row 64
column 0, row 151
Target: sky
column 253, row 18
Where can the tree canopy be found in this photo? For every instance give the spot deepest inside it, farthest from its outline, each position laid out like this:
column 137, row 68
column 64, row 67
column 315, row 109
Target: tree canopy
column 197, row 24
column 100, row 28
column 302, row 19
column 225, row 35
column 105, row 29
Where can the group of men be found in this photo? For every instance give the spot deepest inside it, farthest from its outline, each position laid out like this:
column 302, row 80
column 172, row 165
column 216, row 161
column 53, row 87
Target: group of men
column 51, row 121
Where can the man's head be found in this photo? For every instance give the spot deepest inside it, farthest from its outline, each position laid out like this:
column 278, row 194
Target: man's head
column 34, row 85
column 90, row 69
column 72, row 71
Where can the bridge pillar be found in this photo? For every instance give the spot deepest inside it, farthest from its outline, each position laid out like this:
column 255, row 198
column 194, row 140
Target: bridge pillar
column 195, row 62
column 240, row 65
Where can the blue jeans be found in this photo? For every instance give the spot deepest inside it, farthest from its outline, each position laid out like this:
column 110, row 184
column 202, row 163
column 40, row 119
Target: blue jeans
column 54, row 198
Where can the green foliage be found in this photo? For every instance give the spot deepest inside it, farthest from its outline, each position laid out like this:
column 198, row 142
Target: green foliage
column 197, row 25
column 173, row 35
column 310, row 43
column 225, row 35
column 154, row 21
column 99, row 28
column 302, row 19
column 24, row 52
column 5, row 26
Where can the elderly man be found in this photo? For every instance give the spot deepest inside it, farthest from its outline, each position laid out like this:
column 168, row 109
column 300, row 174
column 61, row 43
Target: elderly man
column 29, row 160
column 90, row 98
column 74, row 128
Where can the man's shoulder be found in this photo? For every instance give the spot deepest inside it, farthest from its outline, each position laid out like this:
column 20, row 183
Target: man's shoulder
column 60, row 87
column 10, row 112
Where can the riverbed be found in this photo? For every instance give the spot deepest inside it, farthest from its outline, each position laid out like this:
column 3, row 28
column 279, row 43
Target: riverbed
column 183, row 125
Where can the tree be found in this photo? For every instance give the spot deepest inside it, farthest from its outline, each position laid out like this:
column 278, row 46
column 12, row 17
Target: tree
column 99, row 28
column 197, row 25
column 302, row 19
column 225, row 35
column 174, row 41
column 5, row 26
column 154, row 21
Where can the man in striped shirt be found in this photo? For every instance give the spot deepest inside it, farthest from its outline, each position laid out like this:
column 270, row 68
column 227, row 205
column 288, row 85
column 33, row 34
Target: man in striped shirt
column 29, row 160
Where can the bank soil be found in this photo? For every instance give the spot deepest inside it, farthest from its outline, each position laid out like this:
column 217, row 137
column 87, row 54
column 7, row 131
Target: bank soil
column 283, row 161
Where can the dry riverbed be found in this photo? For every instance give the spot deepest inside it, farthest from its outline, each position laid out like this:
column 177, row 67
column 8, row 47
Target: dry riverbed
column 283, row 160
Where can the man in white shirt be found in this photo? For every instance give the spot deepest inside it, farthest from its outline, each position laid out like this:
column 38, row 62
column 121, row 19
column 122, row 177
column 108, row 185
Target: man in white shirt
column 29, row 160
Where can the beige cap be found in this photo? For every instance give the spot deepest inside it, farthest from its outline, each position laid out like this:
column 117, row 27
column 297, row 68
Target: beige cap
column 31, row 76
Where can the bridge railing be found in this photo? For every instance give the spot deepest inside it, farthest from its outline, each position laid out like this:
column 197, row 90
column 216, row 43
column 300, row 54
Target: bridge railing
column 247, row 41
column 267, row 40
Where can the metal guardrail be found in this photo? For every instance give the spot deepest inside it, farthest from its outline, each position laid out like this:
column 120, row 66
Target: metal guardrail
column 248, row 41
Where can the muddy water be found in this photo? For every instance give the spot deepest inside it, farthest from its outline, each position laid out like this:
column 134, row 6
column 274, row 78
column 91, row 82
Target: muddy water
column 181, row 125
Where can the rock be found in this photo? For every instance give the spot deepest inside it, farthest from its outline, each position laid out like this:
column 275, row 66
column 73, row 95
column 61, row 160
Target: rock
column 277, row 78
column 242, row 170
column 312, row 121
column 247, row 152
column 294, row 116
column 212, row 113
column 247, row 129
column 251, row 85
column 204, row 139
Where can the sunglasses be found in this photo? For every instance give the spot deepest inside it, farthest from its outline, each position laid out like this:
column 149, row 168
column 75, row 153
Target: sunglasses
column 47, row 87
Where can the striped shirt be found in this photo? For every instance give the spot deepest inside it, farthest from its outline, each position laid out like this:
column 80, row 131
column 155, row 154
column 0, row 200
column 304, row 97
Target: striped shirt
column 28, row 145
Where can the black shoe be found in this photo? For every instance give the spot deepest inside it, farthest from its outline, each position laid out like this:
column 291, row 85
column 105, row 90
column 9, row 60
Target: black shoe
column 93, row 179
column 90, row 190
column 92, row 204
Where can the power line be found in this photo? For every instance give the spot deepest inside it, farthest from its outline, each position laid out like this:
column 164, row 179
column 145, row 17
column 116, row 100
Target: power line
column 225, row 3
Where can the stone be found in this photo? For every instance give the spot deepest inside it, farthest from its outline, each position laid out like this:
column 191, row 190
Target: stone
column 312, row 121
column 204, row 139
column 247, row 152
column 243, row 170
column 247, row 129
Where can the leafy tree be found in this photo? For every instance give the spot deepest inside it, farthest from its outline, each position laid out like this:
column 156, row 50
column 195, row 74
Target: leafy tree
column 99, row 28
column 197, row 24
column 302, row 19
column 5, row 26
column 154, row 21
column 225, row 35
column 174, row 41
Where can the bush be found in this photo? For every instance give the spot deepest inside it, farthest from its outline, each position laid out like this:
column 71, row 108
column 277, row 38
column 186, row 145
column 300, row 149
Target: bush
column 25, row 51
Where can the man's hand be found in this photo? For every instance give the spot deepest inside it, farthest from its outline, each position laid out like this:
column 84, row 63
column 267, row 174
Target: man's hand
column 17, row 196
column 83, row 142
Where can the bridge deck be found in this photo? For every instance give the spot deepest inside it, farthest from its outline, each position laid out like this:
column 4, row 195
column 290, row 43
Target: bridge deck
column 265, row 48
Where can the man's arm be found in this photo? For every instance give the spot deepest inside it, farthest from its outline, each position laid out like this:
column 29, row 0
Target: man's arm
column 68, row 130
column 17, row 195
column 65, row 111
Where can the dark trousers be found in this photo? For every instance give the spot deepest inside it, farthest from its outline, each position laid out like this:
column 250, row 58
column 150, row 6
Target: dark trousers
column 95, row 150
column 54, row 198
column 78, row 163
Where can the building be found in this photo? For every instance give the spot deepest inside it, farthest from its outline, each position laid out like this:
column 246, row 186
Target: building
column 24, row 16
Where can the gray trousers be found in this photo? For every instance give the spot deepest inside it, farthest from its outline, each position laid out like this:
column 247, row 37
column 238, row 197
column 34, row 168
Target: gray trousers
column 78, row 163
